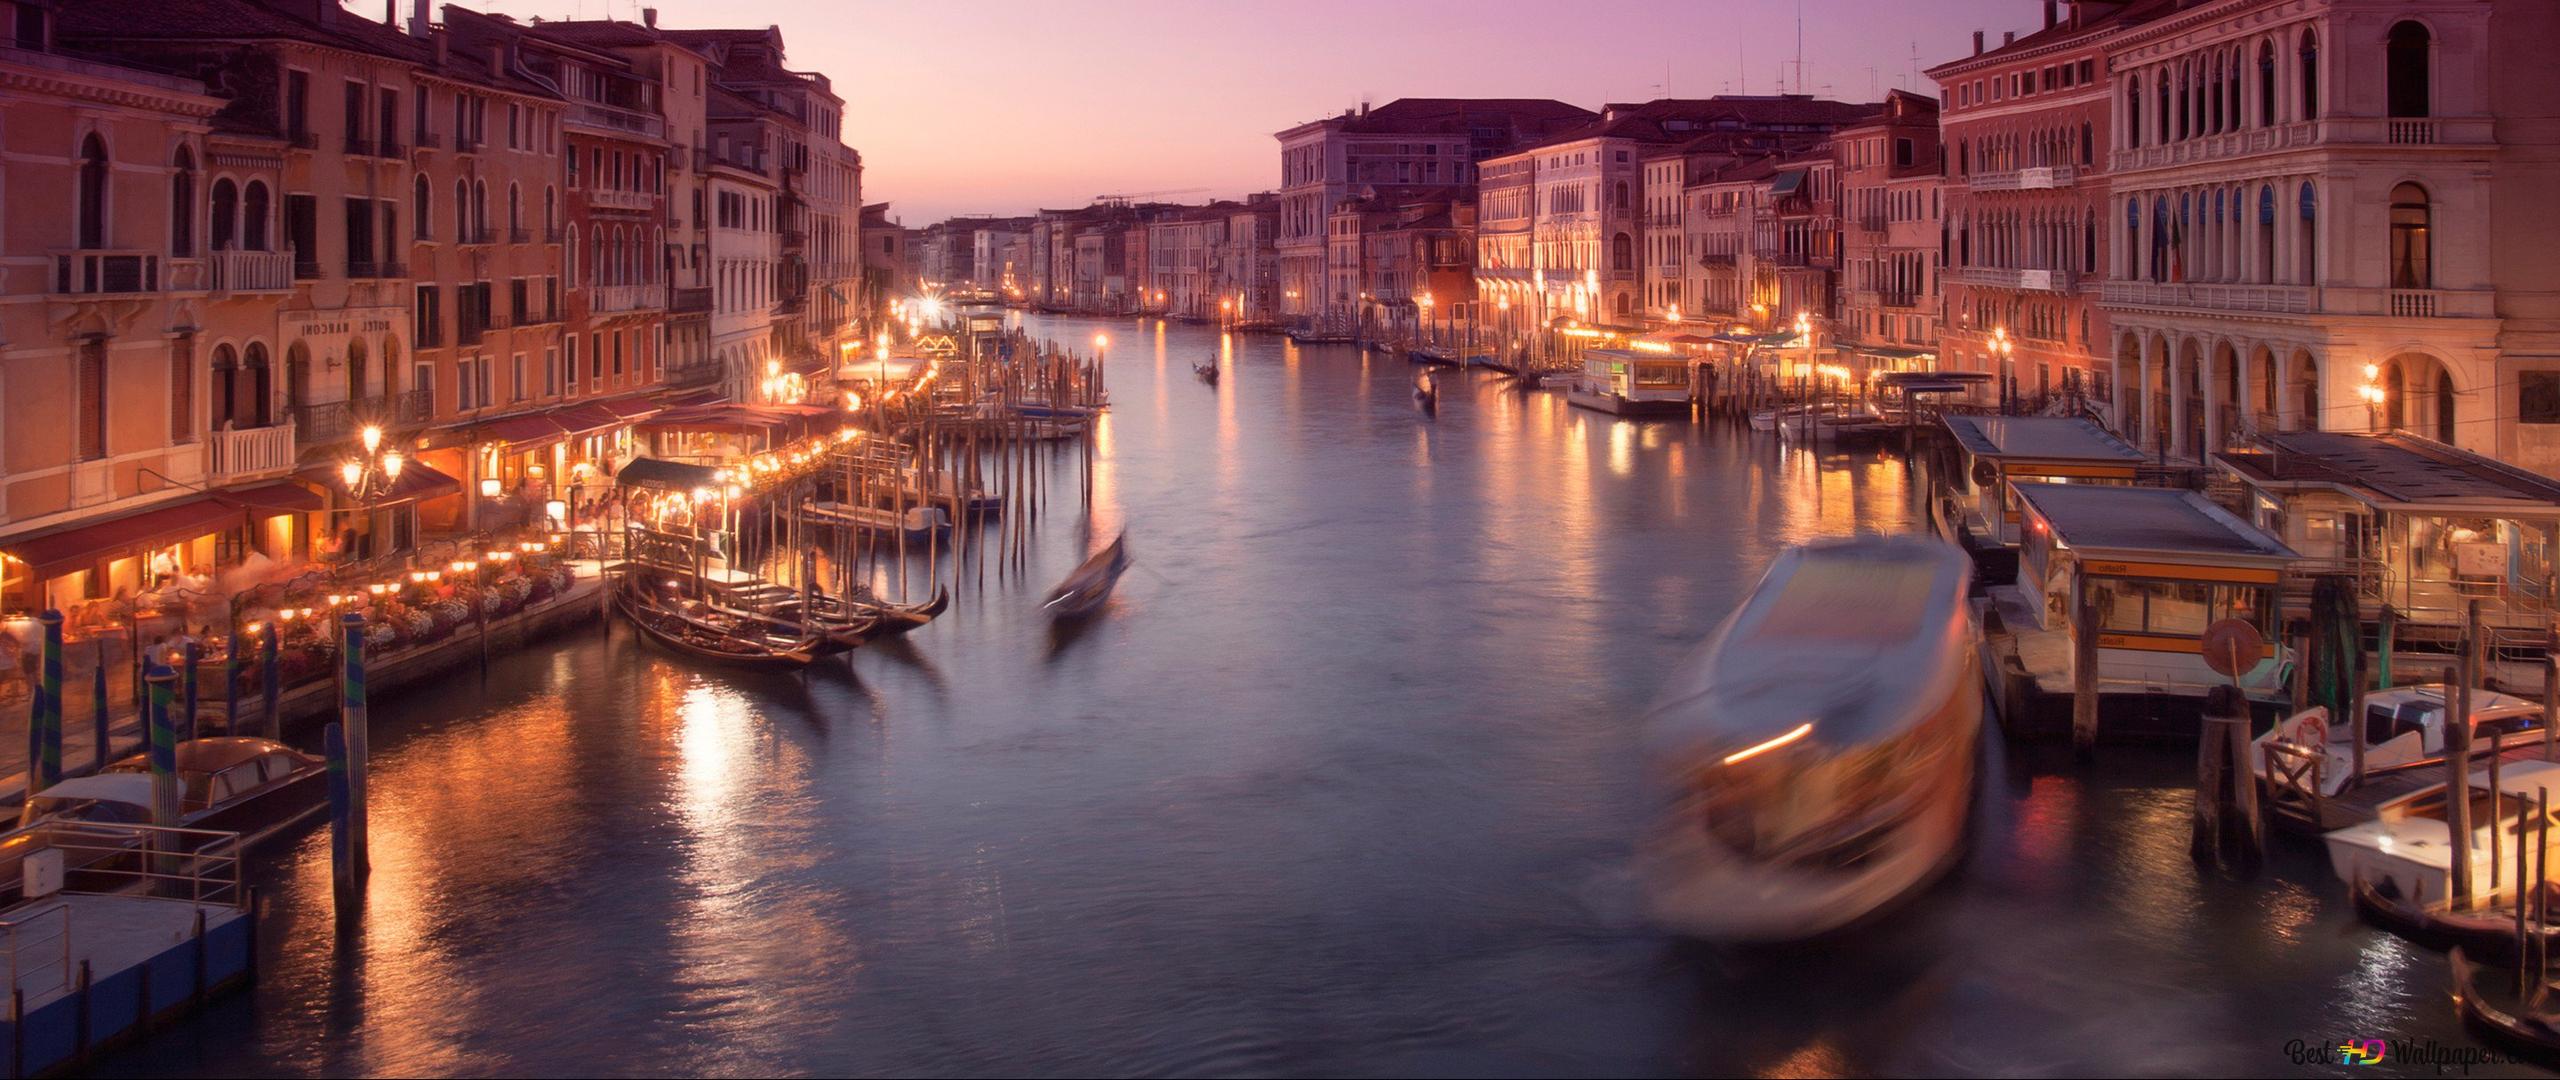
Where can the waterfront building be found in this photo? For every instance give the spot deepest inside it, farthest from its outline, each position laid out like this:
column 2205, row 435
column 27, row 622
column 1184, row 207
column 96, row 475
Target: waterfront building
column 1888, row 169
column 885, row 279
column 1389, row 153
column 2023, row 126
column 327, row 104
column 995, row 263
column 130, row 455
column 1248, row 263
column 2331, row 216
column 1719, row 211
column 1558, row 236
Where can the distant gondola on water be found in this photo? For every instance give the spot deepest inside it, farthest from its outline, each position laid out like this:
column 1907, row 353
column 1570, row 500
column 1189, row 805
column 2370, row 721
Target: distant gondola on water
column 1089, row 587
column 1426, row 395
column 1208, row 372
column 1818, row 754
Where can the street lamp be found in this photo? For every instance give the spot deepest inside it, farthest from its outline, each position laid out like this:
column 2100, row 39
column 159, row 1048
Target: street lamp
column 2004, row 349
column 371, row 476
column 2373, row 395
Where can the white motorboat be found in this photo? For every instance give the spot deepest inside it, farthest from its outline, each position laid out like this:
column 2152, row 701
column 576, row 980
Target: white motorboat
column 2403, row 728
column 1818, row 754
column 2409, row 843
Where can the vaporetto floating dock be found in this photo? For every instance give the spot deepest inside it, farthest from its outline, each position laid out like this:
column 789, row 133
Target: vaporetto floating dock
column 147, row 924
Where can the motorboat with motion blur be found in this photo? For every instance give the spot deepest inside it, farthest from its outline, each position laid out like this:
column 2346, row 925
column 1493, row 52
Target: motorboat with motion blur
column 1817, row 755
column 1089, row 587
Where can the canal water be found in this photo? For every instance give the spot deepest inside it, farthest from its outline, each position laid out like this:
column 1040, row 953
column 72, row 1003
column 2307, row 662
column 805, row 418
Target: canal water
column 1344, row 782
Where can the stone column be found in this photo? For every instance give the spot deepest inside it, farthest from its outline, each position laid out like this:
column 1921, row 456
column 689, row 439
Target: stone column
column 2147, row 436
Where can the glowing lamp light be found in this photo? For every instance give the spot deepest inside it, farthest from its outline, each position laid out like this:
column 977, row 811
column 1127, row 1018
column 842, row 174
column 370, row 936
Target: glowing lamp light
column 351, row 474
column 490, row 487
column 1749, row 752
column 372, row 436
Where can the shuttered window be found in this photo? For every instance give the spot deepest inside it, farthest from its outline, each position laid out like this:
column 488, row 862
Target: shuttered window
column 182, row 389
column 93, row 399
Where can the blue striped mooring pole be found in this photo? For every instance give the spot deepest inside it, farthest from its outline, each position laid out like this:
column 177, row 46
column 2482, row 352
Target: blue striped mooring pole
column 351, row 714
column 48, row 760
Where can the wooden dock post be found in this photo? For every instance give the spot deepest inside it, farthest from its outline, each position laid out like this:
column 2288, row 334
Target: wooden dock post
column 270, row 687
column 163, row 744
column 2084, row 668
column 2550, row 693
column 2457, row 759
column 351, row 713
column 45, row 765
column 333, row 741
column 2354, row 723
column 2388, row 630
column 2226, row 810
column 102, row 733
column 187, row 689
column 231, row 679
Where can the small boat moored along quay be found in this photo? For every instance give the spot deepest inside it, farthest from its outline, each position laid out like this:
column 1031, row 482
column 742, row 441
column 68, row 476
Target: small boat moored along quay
column 1631, row 383
column 1819, row 769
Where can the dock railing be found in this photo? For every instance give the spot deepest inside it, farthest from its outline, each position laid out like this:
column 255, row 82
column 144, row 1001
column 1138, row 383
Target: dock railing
column 200, row 866
column 39, row 945
column 2291, row 779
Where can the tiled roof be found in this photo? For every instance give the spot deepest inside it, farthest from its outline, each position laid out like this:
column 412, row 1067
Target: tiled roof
column 1674, row 119
column 2132, row 14
column 230, row 20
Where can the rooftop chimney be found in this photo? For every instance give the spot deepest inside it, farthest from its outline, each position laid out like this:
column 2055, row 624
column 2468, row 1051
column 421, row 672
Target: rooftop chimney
column 419, row 20
column 2052, row 13
column 2008, row 38
column 1977, row 39
column 649, row 17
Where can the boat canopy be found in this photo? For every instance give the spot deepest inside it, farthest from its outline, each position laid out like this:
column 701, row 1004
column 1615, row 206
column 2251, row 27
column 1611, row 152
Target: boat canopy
column 664, row 475
column 121, row 787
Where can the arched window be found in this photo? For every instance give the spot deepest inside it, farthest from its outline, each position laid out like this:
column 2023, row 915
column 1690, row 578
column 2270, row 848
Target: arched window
column 1622, row 252
column 424, row 197
column 2266, row 84
column 461, row 210
column 356, row 369
column 2159, row 270
column 226, row 390
column 569, row 252
column 253, row 216
column 550, row 209
column 480, row 207
column 2089, row 243
column 2266, row 233
column 1619, row 195
column 2306, row 252
column 2186, row 101
column 2310, row 75
column 182, row 204
column 261, row 388
column 2162, row 77
column 93, row 192
column 2133, row 112
column 2411, row 51
column 515, row 207
column 2088, row 144
column 226, row 215
column 2411, row 243
column 297, row 376
column 390, row 367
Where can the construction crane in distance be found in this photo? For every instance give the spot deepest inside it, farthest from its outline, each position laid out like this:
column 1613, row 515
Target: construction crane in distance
column 1124, row 198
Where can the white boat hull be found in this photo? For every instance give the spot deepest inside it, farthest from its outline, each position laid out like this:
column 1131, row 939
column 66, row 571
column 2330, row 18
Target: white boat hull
column 1697, row 888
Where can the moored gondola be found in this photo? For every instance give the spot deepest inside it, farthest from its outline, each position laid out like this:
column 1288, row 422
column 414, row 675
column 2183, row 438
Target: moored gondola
column 2489, row 933
column 1089, row 587
column 706, row 634
column 1207, row 372
column 2486, row 998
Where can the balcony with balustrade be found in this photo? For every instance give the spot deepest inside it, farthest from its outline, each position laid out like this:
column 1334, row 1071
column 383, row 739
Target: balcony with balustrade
column 250, row 271
column 241, row 453
column 316, row 424
column 691, row 301
column 615, row 119
column 635, row 202
column 2015, row 278
column 2035, row 178
column 2211, row 297
column 102, row 272
column 2462, row 132
column 618, row 298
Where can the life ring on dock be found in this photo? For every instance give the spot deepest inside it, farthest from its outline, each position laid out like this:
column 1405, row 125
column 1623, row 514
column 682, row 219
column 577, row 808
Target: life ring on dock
column 2310, row 727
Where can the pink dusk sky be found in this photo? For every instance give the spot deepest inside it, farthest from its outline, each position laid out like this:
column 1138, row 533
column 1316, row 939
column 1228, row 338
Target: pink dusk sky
column 1003, row 106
